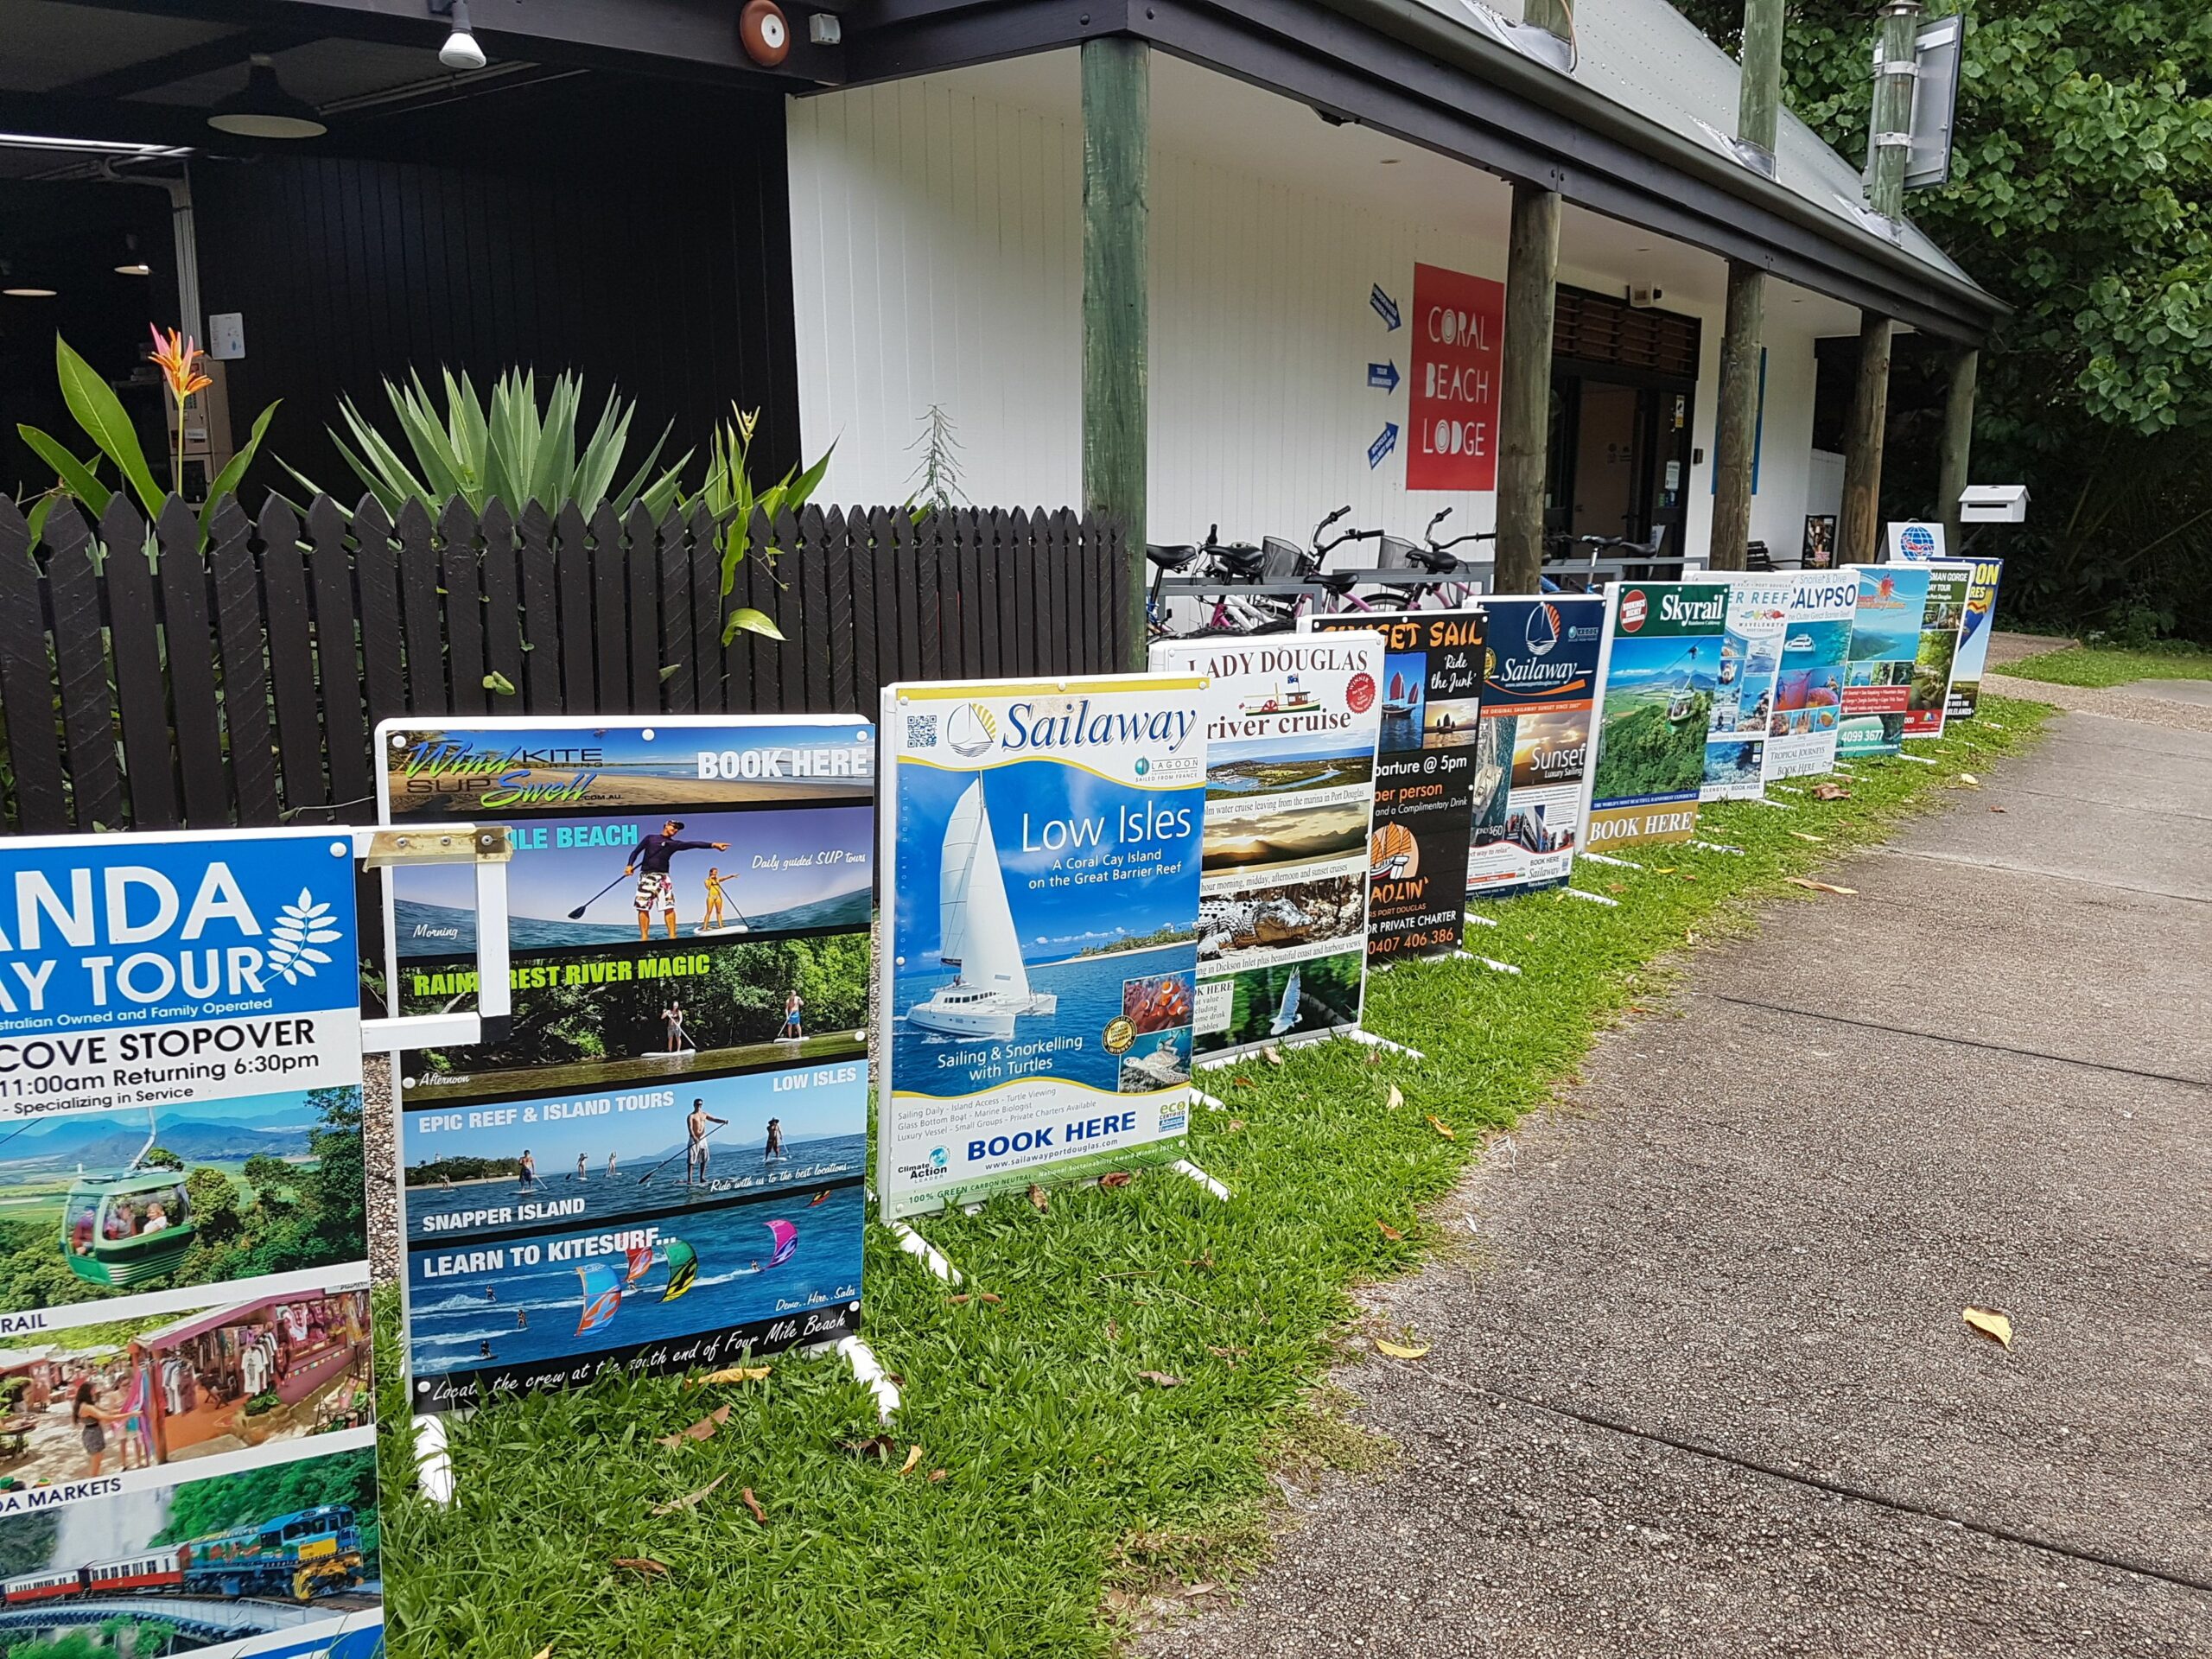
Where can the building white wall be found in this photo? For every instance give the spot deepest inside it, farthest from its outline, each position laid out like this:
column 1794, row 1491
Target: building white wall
column 937, row 254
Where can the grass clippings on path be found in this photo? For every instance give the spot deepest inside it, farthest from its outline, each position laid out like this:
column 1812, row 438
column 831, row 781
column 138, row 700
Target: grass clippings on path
column 2101, row 666
column 1104, row 1422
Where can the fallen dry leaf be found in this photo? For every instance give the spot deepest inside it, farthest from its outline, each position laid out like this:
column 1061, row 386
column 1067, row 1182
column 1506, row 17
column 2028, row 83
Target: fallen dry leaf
column 1399, row 1350
column 1396, row 1100
column 1442, row 1128
column 936, row 1475
column 545, row 1652
column 1970, row 780
column 1232, row 1355
column 1611, row 886
column 1112, row 1330
column 645, row 1564
column 1830, row 793
column 703, row 1430
column 1991, row 1323
column 1808, row 883
column 736, row 1374
column 1204, row 1587
column 1801, row 835
column 990, row 1296
column 753, row 1504
column 1390, row 1232
column 1241, row 1083
column 1272, row 1055
column 881, row 1445
column 1997, row 809
column 1161, row 1379
column 1234, row 1124
column 1039, row 1197
column 1663, row 869
column 914, row 1457
column 961, row 1301
column 1116, row 1177
column 687, row 1499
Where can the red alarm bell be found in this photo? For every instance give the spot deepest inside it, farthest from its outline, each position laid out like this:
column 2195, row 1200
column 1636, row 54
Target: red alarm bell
column 764, row 32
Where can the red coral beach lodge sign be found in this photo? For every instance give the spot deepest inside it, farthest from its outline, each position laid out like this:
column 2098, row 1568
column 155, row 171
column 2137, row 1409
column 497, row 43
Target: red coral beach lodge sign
column 1457, row 323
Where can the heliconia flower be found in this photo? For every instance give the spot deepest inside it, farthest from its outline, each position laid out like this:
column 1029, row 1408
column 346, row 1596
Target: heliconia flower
column 177, row 356
column 747, row 420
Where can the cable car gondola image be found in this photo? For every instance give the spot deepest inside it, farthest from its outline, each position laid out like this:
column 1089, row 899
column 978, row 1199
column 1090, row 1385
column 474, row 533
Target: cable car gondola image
column 124, row 1229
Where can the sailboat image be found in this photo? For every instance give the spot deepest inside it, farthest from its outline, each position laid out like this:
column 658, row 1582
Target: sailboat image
column 1287, row 1010
column 1401, row 696
column 990, row 989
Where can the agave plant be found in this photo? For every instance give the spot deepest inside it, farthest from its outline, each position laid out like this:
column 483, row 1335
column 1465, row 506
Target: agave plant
column 513, row 450
column 729, row 495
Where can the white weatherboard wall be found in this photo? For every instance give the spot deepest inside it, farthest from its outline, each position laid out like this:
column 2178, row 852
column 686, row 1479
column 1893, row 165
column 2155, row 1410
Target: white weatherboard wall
column 936, row 252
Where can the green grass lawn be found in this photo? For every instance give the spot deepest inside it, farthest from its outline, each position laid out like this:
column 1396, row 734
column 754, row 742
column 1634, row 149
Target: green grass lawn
column 1057, row 1482
column 2101, row 665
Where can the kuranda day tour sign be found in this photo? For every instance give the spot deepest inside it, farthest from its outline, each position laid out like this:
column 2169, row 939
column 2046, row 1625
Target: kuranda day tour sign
column 1042, row 840
column 1424, row 776
column 1660, row 679
column 1808, row 687
column 1291, row 723
column 1539, row 687
column 187, row 1444
column 1884, row 646
column 1973, row 660
column 662, row 1162
column 1743, row 699
column 1949, row 583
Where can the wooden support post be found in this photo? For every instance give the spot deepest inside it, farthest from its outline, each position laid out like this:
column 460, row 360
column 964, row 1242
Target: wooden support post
column 1117, row 202
column 1736, row 435
column 1889, row 136
column 1859, row 537
column 1951, row 474
column 1524, row 400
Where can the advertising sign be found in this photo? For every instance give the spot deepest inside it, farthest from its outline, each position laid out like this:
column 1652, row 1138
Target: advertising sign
column 1659, row 677
column 1948, row 583
column 1540, row 684
column 1912, row 543
column 1291, row 723
column 1424, row 776
column 187, row 1441
column 1808, row 688
column 1042, row 840
column 661, row 1162
column 1885, row 645
column 1459, row 322
column 1743, row 702
column 1967, row 667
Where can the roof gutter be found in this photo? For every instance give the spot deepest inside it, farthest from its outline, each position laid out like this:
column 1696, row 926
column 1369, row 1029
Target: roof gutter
column 1437, row 36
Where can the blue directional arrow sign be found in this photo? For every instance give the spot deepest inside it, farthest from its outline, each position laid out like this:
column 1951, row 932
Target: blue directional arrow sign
column 1384, row 444
column 1384, row 375
column 1385, row 306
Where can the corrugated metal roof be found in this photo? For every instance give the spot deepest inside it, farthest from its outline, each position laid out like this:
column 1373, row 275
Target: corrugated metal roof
column 1652, row 61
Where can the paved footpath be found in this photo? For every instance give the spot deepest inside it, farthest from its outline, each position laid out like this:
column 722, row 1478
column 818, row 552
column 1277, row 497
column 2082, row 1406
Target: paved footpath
column 1702, row 1385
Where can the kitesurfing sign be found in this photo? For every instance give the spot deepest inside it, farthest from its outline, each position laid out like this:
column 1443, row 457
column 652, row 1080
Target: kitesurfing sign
column 1291, row 725
column 663, row 1162
column 1041, row 841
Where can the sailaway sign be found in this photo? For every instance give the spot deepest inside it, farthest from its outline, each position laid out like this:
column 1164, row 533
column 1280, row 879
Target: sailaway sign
column 1041, row 842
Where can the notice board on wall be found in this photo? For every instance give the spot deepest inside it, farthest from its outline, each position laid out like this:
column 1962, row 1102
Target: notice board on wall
column 662, row 1161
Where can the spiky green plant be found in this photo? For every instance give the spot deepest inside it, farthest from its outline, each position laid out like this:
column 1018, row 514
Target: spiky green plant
column 511, row 450
column 729, row 495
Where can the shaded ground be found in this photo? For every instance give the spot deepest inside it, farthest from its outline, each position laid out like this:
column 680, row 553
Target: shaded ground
column 1701, row 1385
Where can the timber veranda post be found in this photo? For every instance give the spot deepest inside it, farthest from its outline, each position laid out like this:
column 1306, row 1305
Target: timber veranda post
column 1116, row 323
column 1525, row 367
column 1958, row 442
column 1736, row 432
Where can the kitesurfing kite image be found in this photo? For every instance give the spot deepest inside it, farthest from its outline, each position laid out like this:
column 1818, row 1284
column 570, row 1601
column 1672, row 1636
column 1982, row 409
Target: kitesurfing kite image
column 786, row 1246
column 682, row 1268
column 603, row 1296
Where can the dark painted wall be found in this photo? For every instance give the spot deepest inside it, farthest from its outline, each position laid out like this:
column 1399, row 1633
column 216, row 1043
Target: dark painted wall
column 636, row 232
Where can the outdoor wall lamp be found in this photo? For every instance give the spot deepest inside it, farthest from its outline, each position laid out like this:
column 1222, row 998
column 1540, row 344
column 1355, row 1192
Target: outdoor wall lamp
column 461, row 50
column 263, row 108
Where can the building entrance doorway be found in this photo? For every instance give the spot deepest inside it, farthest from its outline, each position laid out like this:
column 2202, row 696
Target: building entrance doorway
column 1623, row 381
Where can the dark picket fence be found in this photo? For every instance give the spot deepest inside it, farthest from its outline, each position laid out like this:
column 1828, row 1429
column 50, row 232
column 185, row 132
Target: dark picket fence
column 154, row 684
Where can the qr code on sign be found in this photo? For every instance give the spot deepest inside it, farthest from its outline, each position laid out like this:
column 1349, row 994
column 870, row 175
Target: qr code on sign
column 921, row 731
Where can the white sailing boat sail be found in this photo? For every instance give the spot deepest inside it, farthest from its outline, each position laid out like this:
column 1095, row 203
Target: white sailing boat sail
column 978, row 941
column 1287, row 1010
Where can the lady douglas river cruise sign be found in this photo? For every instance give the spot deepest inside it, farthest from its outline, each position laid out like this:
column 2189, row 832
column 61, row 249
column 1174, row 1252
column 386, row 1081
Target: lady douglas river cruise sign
column 1291, row 727
column 1041, row 840
column 187, row 1453
column 661, row 1162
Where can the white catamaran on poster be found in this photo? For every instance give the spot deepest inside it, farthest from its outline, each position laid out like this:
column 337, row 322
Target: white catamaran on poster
column 990, row 989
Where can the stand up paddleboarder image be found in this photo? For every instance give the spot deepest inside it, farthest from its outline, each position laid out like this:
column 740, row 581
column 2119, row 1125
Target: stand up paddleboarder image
column 698, row 1125
column 649, row 861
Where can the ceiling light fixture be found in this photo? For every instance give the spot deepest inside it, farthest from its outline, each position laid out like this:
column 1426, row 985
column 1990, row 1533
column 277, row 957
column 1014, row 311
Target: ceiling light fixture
column 28, row 293
column 91, row 146
column 263, row 108
column 461, row 50
column 133, row 266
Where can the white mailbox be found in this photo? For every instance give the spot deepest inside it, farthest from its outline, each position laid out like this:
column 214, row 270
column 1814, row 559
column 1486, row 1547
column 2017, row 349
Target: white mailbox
column 1993, row 504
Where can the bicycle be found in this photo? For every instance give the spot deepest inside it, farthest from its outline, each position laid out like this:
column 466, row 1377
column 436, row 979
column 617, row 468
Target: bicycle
column 1229, row 563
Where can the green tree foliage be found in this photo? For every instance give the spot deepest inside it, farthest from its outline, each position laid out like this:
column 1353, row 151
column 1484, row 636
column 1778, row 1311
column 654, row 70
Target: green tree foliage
column 201, row 1507
column 1646, row 753
column 162, row 1158
column 2082, row 195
